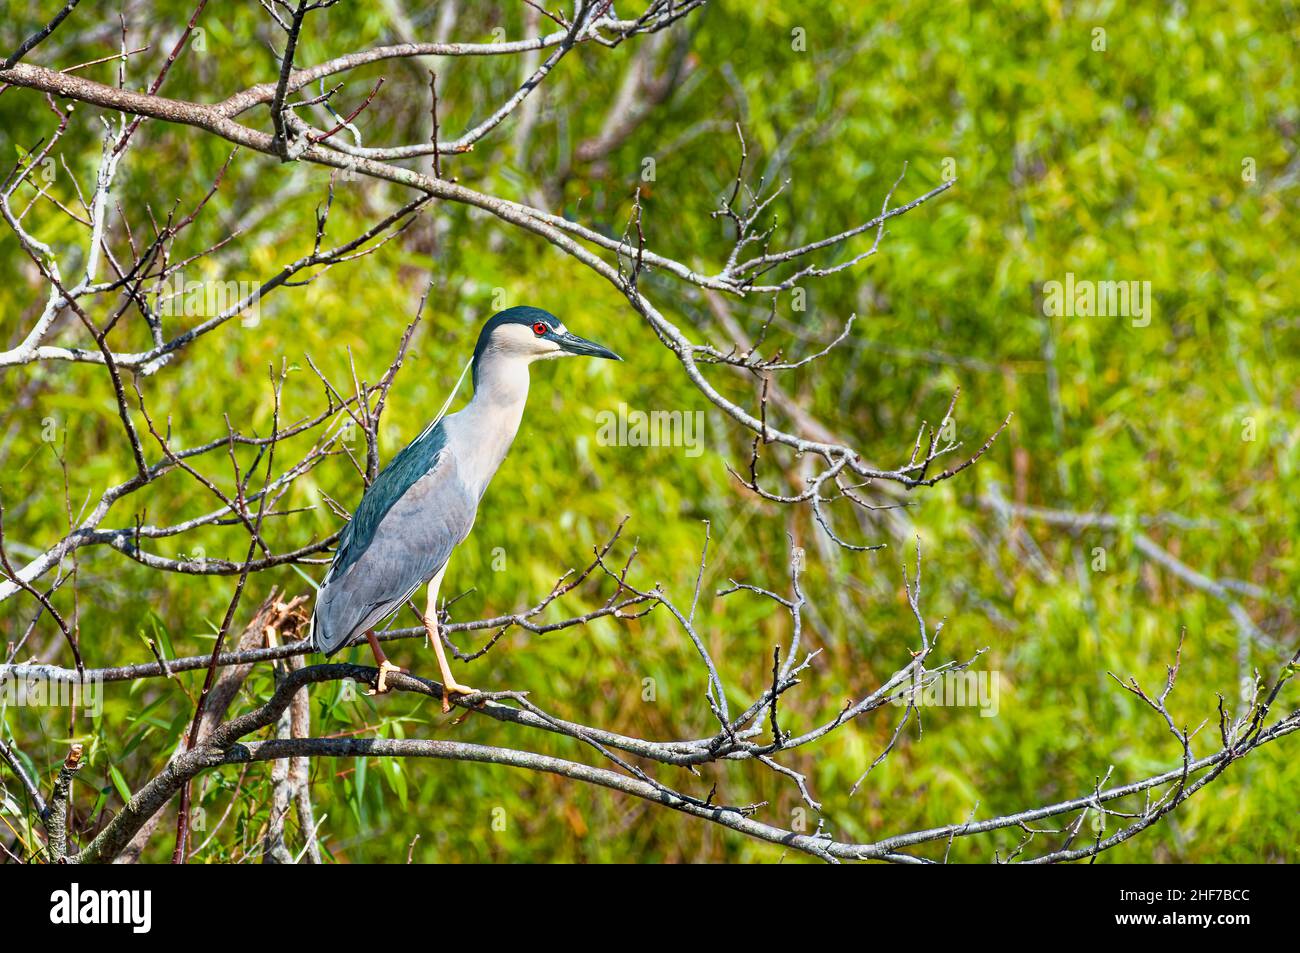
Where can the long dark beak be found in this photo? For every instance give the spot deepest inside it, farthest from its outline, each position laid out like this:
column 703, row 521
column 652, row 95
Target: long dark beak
column 576, row 345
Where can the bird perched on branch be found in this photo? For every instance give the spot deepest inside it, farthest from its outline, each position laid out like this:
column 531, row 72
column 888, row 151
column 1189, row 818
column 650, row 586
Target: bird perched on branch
column 424, row 502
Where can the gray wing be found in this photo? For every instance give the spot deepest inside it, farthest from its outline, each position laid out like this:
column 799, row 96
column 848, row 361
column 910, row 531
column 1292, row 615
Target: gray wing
column 400, row 542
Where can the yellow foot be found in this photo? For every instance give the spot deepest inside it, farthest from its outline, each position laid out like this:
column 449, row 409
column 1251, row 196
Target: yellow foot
column 451, row 687
column 381, row 683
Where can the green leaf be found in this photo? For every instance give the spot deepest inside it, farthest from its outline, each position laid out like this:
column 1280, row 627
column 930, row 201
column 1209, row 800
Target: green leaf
column 119, row 783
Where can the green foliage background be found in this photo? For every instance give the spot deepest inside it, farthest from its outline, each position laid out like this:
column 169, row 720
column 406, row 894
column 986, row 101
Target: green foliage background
column 1125, row 163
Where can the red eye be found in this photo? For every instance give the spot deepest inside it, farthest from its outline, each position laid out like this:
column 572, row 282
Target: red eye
column 539, row 329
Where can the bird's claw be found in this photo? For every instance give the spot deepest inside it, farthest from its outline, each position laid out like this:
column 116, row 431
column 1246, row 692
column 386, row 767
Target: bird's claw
column 454, row 688
column 381, row 683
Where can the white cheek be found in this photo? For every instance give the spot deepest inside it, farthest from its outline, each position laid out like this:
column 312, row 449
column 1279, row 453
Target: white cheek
column 521, row 340
column 549, row 349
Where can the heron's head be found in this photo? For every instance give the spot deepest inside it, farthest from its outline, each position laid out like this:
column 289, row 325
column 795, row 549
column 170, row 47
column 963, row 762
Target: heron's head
column 534, row 335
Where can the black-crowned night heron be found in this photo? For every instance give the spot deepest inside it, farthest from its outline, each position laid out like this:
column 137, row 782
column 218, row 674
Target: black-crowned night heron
column 423, row 504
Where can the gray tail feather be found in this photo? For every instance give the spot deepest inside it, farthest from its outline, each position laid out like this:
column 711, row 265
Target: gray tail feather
column 318, row 635
column 325, row 638
column 320, row 640
column 326, row 633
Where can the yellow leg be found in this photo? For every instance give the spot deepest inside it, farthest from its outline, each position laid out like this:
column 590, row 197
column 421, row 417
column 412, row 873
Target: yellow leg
column 385, row 666
column 449, row 684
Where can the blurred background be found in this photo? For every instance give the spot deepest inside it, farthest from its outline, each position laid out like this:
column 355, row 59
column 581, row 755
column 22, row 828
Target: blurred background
column 1160, row 150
